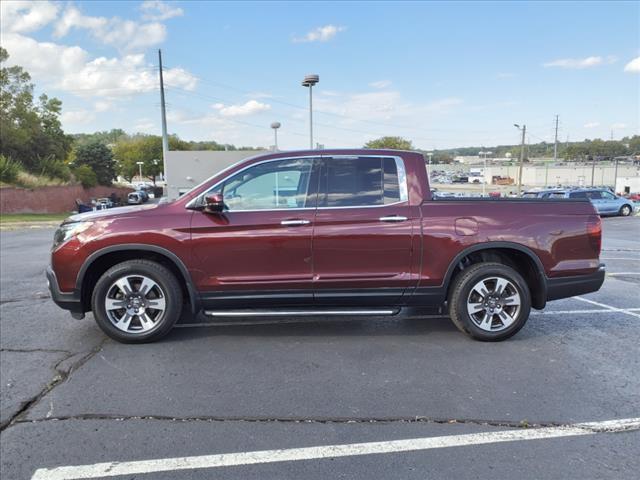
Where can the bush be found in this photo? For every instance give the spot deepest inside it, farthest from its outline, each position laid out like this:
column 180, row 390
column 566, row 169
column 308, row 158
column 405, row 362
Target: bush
column 85, row 176
column 50, row 167
column 9, row 170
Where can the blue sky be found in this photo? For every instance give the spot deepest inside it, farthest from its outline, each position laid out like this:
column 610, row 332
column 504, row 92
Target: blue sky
column 441, row 74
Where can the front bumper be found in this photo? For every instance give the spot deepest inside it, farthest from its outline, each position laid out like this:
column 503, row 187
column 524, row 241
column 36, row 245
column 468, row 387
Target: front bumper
column 67, row 300
column 564, row 287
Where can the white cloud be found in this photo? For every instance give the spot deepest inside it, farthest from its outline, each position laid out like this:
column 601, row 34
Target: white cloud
column 102, row 106
column 320, row 34
column 591, row 124
column 77, row 117
column 618, row 126
column 18, row 16
column 633, row 66
column 157, row 11
column 144, row 125
column 249, row 108
column 126, row 35
column 70, row 68
column 380, row 84
column 579, row 63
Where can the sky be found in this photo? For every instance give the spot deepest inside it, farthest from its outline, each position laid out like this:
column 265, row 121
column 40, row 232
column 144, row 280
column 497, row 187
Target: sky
column 441, row 74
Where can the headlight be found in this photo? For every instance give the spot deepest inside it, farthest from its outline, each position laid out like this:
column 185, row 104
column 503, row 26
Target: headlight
column 67, row 231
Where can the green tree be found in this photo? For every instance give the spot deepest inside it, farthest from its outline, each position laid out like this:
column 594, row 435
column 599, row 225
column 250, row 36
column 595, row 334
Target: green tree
column 99, row 158
column 396, row 143
column 29, row 130
column 85, row 176
column 146, row 149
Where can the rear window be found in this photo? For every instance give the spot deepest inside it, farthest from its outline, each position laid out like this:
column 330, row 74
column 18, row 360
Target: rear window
column 360, row 182
column 578, row 195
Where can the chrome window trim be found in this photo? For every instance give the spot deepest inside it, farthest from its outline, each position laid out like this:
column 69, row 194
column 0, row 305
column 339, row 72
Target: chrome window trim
column 401, row 172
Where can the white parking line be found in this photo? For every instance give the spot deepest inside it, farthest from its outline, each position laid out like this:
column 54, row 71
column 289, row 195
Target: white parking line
column 608, row 307
column 613, row 274
column 113, row 469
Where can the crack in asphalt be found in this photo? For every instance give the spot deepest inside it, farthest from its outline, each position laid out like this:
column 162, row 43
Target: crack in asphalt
column 36, row 296
column 314, row 420
column 36, row 350
column 60, row 377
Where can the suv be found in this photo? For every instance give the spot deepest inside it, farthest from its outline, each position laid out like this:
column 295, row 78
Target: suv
column 604, row 201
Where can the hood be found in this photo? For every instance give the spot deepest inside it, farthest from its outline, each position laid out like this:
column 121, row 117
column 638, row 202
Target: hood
column 111, row 212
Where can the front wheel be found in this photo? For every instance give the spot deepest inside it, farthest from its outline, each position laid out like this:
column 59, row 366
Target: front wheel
column 625, row 210
column 137, row 301
column 489, row 302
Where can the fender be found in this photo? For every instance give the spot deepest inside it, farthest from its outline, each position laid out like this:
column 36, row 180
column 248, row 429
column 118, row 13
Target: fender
column 540, row 298
column 195, row 302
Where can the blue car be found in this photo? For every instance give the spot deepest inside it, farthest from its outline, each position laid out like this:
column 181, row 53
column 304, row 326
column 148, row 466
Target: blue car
column 605, row 202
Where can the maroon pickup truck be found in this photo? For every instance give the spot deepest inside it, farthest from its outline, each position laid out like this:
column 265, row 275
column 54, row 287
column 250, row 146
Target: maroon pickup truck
column 331, row 232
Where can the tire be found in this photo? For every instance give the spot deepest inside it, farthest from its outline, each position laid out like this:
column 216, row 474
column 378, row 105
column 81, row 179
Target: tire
column 625, row 211
column 137, row 301
column 510, row 299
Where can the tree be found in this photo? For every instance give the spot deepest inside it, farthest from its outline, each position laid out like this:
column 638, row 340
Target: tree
column 86, row 176
column 99, row 158
column 147, row 149
column 29, row 130
column 396, row 143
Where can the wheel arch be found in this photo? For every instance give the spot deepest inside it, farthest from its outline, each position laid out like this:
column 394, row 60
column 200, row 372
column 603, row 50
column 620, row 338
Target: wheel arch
column 100, row 260
column 515, row 255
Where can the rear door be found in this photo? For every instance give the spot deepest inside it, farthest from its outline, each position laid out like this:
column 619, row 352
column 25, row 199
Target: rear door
column 362, row 231
column 610, row 202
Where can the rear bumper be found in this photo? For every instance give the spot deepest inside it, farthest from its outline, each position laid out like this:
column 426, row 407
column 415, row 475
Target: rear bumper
column 67, row 300
column 564, row 287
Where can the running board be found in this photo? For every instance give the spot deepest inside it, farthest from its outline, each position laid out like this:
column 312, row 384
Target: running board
column 298, row 313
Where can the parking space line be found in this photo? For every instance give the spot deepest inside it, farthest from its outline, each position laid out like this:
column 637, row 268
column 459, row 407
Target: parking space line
column 113, row 469
column 608, row 307
column 613, row 274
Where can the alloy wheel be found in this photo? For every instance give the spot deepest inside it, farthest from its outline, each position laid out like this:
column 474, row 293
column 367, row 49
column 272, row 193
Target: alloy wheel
column 135, row 304
column 494, row 304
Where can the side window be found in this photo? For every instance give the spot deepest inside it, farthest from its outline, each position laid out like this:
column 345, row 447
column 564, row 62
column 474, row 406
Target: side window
column 607, row 195
column 360, row 182
column 578, row 195
column 594, row 195
column 270, row 186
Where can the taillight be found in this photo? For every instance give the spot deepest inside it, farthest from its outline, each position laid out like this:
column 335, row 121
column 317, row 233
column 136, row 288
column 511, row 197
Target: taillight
column 594, row 232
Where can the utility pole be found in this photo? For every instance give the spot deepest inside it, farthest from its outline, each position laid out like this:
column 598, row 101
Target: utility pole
column 593, row 168
column 163, row 112
column 524, row 132
column 615, row 176
column 555, row 144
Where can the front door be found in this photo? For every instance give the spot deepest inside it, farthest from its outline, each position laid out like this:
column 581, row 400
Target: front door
column 258, row 250
column 362, row 232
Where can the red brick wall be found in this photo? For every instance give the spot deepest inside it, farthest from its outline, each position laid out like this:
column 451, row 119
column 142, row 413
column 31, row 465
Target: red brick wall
column 52, row 199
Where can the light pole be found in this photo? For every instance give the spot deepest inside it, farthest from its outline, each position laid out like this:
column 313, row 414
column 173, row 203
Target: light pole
column 275, row 126
column 140, row 169
column 429, row 157
column 310, row 81
column 524, row 131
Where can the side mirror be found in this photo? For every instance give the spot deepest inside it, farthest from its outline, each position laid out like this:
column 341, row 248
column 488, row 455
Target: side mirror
column 214, row 202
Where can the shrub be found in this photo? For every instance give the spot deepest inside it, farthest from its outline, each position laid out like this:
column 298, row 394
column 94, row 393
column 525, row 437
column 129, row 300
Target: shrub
column 50, row 167
column 86, row 176
column 9, row 170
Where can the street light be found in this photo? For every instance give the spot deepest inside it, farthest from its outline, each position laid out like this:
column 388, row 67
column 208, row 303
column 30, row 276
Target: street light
column 310, row 81
column 140, row 169
column 275, row 126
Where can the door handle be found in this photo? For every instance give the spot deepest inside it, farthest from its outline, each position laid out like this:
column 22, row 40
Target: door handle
column 294, row 223
column 393, row 218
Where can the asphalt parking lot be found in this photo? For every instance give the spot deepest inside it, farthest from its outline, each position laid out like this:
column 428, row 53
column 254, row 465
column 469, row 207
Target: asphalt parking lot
column 434, row 403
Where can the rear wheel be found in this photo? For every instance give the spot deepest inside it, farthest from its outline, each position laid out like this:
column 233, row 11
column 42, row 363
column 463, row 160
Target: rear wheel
column 625, row 210
column 137, row 301
column 489, row 301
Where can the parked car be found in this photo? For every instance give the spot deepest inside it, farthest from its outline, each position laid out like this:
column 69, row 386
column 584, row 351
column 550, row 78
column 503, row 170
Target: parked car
column 604, row 201
column 138, row 197
column 325, row 233
column 538, row 193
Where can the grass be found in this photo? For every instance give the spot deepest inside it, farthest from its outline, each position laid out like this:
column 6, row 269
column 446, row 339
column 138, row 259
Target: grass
column 32, row 217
